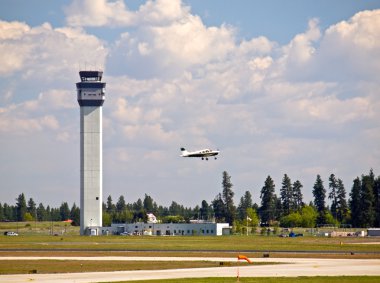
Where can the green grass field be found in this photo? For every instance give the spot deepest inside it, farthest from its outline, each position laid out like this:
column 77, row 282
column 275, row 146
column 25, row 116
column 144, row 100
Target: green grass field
column 191, row 243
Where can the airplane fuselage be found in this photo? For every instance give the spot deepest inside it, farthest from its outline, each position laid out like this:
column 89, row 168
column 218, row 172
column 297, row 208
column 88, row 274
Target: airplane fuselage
column 204, row 153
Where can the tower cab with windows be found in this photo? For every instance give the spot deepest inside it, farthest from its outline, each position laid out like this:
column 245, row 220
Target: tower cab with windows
column 91, row 89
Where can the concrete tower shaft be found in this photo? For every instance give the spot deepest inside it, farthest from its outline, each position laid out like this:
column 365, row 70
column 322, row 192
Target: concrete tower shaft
column 91, row 93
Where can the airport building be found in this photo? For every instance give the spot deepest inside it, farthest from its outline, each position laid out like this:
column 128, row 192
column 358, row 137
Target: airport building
column 197, row 228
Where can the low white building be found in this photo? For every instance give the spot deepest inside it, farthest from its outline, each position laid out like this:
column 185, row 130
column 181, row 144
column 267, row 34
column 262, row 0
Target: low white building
column 373, row 232
column 172, row 229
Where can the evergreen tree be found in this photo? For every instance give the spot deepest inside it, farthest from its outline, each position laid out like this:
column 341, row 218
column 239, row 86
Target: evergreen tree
column 228, row 201
column 367, row 215
column 56, row 214
column 268, row 201
column 218, row 207
column 155, row 209
column 355, row 203
column 204, row 210
column 286, row 194
column 342, row 207
column 175, row 209
column 110, row 207
column 278, row 212
column 245, row 203
column 319, row 193
column 21, row 207
column 48, row 213
column 297, row 196
column 333, row 195
column 138, row 205
column 75, row 215
column 148, row 204
column 376, row 193
column 41, row 213
column 31, row 208
column 1, row 212
column 9, row 212
column 64, row 211
column 120, row 205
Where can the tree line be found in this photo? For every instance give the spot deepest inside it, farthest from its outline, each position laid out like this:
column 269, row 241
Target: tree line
column 360, row 209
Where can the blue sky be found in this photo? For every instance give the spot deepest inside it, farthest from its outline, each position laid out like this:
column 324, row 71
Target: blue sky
column 280, row 87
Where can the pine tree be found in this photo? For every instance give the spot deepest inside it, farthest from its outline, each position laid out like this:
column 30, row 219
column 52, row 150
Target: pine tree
column 376, row 193
column 148, row 204
column 1, row 212
column 64, row 211
column 367, row 215
column 297, row 196
column 218, row 207
column 268, row 201
column 31, row 208
column 75, row 215
column 9, row 212
column 110, row 207
column 333, row 185
column 175, row 209
column 120, row 205
column 355, row 203
column 245, row 203
column 342, row 207
column 319, row 193
column 138, row 205
column 204, row 210
column 41, row 213
column 228, row 201
column 286, row 194
column 21, row 207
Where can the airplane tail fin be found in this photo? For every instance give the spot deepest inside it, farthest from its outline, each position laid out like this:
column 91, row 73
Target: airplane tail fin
column 183, row 151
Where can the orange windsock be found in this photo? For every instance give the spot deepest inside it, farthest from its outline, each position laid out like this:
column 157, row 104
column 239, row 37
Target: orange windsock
column 243, row 257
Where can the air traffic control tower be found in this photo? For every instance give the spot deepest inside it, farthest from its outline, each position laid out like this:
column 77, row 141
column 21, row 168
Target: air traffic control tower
column 91, row 93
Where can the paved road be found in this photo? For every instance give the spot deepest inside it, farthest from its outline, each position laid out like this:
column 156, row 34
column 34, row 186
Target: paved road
column 291, row 267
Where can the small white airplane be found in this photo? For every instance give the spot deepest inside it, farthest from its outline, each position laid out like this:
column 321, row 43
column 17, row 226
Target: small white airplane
column 204, row 153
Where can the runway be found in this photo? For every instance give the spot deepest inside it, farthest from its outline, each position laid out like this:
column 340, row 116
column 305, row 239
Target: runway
column 289, row 267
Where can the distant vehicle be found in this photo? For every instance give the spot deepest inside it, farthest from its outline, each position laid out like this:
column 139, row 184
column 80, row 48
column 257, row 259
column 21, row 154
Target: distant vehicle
column 203, row 153
column 125, row 234
column 10, row 233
